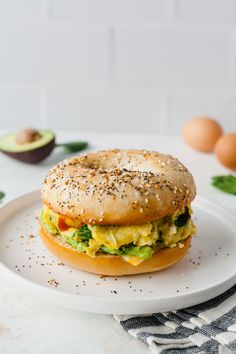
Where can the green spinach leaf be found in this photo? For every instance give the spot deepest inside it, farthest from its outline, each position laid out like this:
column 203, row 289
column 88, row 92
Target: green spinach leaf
column 84, row 233
column 226, row 184
column 2, row 195
column 74, row 146
column 182, row 219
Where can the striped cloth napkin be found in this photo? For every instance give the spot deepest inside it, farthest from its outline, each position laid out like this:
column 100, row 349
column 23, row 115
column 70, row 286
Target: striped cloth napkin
column 206, row 328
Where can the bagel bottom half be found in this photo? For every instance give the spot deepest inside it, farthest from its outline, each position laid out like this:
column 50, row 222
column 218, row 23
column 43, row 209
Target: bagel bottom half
column 113, row 265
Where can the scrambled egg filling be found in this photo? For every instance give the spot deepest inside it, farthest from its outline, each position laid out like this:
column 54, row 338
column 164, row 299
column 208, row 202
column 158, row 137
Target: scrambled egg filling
column 134, row 243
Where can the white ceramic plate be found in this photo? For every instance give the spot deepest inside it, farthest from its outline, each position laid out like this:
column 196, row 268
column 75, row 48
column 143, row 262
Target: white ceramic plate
column 207, row 270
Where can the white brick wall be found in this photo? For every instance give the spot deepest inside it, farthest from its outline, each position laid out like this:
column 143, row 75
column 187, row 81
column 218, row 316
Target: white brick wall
column 19, row 106
column 207, row 11
column 123, row 65
column 171, row 58
column 21, row 10
column 110, row 11
column 182, row 106
column 54, row 54
column 124, row 110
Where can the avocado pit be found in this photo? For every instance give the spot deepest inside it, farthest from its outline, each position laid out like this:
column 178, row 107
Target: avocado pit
column 26, row 136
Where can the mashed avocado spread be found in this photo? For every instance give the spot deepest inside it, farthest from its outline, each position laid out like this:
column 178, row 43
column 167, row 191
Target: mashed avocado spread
column 134, row 243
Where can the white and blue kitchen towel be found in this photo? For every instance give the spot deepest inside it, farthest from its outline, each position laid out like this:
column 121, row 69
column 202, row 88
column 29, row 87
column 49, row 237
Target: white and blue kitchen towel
column 206, row 328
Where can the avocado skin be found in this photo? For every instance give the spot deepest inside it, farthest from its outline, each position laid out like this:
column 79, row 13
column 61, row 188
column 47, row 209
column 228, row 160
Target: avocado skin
column 33, row 156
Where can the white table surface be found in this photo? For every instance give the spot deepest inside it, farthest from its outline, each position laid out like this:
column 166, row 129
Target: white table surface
column 30, row 326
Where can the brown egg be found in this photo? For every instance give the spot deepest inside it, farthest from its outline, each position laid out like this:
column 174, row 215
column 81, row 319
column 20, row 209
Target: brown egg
column 202, row 133
column 225, row 150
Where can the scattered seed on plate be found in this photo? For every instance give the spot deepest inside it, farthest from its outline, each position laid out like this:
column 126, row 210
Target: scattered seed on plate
column 53, row 282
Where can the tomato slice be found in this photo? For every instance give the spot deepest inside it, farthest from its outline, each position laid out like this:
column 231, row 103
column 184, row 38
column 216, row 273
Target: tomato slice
column 62, row 226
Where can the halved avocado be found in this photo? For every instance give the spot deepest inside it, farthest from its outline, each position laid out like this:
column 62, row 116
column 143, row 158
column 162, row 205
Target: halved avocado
column 28, row 145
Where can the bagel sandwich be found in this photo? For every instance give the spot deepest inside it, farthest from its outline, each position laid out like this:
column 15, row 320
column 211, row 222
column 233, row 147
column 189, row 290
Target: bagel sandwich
column 118, row 212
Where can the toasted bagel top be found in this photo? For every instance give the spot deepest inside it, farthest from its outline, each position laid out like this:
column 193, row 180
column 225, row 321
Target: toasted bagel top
column 118, row 187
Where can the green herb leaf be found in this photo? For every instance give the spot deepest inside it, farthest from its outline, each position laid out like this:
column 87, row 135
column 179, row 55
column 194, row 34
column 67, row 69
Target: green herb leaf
column 182, row 219
column 226, row 184
column 84, row 233
column 74, row 146
column 2, row 195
